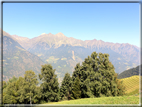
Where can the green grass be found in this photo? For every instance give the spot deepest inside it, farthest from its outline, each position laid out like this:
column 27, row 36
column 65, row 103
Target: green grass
column 131, row 84
column 135, row 92
column 102, row 100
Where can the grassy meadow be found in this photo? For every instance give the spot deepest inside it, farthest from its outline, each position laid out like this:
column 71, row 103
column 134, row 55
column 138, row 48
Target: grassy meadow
column 132, row 95
column 103, row 100
column 131, row 84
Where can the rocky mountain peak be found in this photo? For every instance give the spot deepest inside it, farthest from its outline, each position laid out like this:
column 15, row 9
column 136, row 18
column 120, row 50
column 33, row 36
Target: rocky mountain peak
column 60, row 34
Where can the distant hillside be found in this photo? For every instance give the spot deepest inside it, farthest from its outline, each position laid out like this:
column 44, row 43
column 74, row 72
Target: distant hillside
column 130, row 72
column 16, row 60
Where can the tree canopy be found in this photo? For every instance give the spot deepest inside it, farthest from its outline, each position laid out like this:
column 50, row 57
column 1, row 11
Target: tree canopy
column 49, row 85
column 97, row 77
column 65, row 89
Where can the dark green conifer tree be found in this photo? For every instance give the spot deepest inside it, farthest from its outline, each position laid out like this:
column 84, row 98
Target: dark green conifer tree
column 97, row 77
column 77, row 72
column 50, row 85
column 104, row 83
column 30, row 85
column 65, row 89
column 76, row 93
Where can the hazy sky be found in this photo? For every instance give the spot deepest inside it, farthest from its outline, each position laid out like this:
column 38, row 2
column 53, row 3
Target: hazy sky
column 110, row 22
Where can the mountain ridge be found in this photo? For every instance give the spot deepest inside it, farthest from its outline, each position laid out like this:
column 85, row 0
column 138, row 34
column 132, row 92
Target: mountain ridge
column 86, row 41
column 17, row 60
column 63, row 53
column 53, row 41
column 77, row 39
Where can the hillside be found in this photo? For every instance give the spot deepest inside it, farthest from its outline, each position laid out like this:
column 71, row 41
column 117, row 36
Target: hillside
column 102, row 100
column 65, row 52
column 16, row 60
column 130, row 72
column 131, row 84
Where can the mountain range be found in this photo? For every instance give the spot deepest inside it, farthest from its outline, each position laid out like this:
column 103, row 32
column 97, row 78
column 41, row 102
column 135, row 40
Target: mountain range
column 22, row 53
column 17, row 60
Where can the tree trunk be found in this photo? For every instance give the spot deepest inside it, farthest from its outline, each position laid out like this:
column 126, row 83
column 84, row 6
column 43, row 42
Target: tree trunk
column 30, row 98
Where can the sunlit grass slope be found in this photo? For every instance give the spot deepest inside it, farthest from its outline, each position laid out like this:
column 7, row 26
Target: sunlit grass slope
column 131, row 84
column 103, row 100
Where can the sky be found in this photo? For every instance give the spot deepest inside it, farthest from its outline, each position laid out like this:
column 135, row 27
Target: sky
column 110, row 22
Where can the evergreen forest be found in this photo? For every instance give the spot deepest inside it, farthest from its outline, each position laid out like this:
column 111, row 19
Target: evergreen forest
column 95, row 77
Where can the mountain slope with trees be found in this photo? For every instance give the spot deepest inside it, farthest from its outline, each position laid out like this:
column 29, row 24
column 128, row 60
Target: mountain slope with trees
column 17, row 60
column 62, row 53
column 130, row 72
column 122, row 56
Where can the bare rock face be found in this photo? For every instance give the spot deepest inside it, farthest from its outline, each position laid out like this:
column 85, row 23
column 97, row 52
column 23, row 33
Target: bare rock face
column 73, row 57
